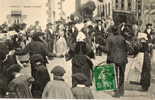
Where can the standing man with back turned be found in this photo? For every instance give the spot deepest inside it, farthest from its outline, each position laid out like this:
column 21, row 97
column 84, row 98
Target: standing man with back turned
column 116, row 49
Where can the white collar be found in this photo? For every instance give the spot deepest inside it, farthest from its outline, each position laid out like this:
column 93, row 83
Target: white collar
column 80, row 85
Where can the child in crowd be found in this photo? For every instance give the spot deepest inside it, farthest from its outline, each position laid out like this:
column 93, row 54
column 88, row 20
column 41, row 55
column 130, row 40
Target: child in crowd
column 81, row 91
column 57, row 88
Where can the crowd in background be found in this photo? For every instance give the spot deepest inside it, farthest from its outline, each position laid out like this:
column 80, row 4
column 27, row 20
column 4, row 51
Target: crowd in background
column 73, row 39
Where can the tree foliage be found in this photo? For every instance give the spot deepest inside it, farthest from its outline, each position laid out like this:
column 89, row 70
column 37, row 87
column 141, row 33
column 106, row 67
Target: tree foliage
column 86, row 10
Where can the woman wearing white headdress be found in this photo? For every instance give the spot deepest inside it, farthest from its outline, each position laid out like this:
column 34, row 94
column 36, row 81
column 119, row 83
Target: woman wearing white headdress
column 61, row 45
column 80, row 37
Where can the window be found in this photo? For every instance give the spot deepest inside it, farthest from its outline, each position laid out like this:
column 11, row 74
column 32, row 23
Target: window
column 117, row 4
column 139, row 7
column 103, row 12
column 129, row 4
column 122, row 4
column 116, row 1
column 16, row 16
column 100, row 0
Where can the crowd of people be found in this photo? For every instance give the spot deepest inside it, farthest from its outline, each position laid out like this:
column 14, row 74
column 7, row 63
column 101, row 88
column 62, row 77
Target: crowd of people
column 79, row 41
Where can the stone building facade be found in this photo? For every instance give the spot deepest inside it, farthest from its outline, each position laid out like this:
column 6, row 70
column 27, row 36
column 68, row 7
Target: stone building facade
column 30, row 11
column 104, row 8
column 129, row 11
column 130, row 6
column 149, row 12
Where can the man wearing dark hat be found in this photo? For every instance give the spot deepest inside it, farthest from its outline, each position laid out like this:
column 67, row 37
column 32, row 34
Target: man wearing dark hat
column 57, row 88
column 99, row 36
column 81, row 91
column 72, row 34
column 116, row 49
column 50, row 37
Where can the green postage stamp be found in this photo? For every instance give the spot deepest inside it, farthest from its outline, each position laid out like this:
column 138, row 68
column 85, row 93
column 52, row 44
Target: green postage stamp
column 105, row 77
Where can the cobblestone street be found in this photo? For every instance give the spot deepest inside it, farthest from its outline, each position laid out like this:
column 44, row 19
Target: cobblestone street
column 132, row 92
column 44, row 32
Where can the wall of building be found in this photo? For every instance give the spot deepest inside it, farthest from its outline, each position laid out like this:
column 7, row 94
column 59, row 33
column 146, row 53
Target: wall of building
column 149, row 13
column 69, row 7
column 127, row 5
column 61, row 8
column 130, row 6
column 77, row 4
column 39, row 10
column 32, row 9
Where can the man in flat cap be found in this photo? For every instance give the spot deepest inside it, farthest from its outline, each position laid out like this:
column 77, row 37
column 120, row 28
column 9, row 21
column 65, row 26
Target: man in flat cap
column 57, row 88
column 99, row 36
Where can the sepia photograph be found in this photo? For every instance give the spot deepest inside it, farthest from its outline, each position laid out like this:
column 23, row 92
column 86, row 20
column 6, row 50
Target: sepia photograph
column 77, row 49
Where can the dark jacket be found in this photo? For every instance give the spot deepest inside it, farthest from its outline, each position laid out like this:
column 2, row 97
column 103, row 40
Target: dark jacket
column 40, row 74
column 100, row 35
column 49, row 36
column 146, row 69
column 71, row 36
column 116, row 48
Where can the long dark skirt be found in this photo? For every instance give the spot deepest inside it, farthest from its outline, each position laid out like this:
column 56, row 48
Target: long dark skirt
column 3, row 85
column 81, row 64
column 50, row 45
column 146, row 71
column 41, row 76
